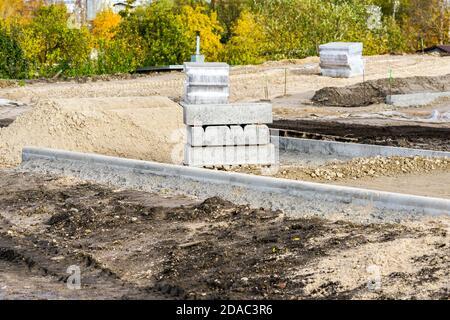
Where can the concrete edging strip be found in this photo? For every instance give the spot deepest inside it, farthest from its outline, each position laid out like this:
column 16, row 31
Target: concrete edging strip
column 348, row 149
column 292, row 188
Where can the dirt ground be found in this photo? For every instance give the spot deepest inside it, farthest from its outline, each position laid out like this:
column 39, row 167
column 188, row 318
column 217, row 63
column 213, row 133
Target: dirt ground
column 132, row 244
column 375, row 91
column 247, row 83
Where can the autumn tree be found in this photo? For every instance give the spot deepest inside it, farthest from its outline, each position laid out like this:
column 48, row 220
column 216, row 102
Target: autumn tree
column 105, row 24
column 51, row 46
column 198, row 19
column 159, row 31
column 20, row 11
column 246, row 45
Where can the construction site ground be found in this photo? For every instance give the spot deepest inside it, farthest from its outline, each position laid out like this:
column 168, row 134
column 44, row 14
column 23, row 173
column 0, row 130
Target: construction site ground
column 132, row 244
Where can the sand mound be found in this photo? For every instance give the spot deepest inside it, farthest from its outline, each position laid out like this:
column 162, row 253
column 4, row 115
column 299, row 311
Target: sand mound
column 146, row 128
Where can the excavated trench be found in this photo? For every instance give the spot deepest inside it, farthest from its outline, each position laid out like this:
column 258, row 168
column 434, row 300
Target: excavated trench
column 424, row 136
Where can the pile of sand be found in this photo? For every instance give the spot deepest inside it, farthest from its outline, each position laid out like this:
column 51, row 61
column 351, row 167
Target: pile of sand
column 146, row 128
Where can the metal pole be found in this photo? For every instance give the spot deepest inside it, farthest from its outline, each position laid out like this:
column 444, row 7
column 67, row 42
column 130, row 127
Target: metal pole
column 198, row 43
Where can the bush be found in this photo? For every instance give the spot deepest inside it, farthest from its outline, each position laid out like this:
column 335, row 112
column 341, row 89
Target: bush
column 13, row 64
column 197, row 19
column 246, row 45
column 51, row 46
column 161, row 32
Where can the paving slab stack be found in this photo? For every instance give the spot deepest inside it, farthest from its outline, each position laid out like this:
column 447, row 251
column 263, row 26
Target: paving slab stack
column 341, row 59
column 218, row 132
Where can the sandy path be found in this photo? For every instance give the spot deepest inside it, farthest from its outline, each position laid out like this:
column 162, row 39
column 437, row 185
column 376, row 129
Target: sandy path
column 435, row 184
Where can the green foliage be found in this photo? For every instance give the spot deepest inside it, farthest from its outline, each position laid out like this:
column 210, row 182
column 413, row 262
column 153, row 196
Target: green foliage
column 161, row 31
column 295, row 28
column 117, row 56
column 246, row 45
column 42, row 43
column 13, row 64
column 51, row 46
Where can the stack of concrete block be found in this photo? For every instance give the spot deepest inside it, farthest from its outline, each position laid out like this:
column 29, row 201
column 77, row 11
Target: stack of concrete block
column 219, row 133
column 341, row 59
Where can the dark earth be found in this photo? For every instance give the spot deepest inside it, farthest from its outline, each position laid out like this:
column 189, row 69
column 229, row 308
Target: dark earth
column 137, row 245
column 424, row 136
column 375, row 91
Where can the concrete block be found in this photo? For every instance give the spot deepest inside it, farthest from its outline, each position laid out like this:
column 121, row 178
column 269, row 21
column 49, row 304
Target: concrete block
column 206, row 83
column 340, row 60
column 256, row 134
column 288, row 195
column 415, row 99
column 194, row 135
column 346, row 47
column 206, row 95
column 342, row 72
column 227, row 114
column 228, row 135
column 237, row 134
column 229, row 155
column 353, row 150
column 208, row 74
column 217, row 136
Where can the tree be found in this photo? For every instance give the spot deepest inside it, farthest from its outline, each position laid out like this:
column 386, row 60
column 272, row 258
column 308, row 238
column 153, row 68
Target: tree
column 105, row 24
column 18, row 10
column 246, row 45
column 10, row 8
column 161, row 33
column 197, row 19
column 51, row 45
column 13, row 64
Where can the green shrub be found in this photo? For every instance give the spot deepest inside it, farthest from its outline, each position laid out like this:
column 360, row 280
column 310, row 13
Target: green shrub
column 13, row 64
column 51, row 46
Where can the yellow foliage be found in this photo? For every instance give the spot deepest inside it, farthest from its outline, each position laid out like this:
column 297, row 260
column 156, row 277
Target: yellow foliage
column 18, row 10
column 247, row 41
column 10, row 8
column 105, row 23
column 195, row 19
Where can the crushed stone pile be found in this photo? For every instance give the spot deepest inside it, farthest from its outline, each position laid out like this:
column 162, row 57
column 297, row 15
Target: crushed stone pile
column 367, row 167
column 145, row 128
column 353, row 169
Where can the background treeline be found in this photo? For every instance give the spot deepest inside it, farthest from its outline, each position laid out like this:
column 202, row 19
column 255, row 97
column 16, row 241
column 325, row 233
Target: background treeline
column 38, row 40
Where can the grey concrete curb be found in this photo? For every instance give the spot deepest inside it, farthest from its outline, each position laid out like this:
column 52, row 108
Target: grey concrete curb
column 415, row 99
column 296, row 189
column 346, row 149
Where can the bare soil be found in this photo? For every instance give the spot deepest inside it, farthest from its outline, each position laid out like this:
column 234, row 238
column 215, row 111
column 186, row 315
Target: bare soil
column 419, row 135
column 132, row 244
column 375, row 91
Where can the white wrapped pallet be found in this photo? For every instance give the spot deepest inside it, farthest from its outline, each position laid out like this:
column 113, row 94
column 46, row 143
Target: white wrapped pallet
column 341, row 59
